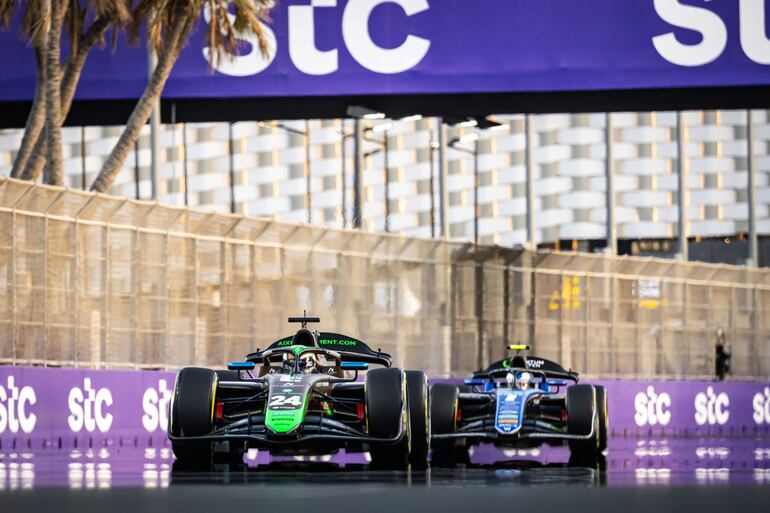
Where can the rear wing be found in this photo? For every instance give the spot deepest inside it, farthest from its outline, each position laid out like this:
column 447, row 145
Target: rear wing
column 547, row 367
column 349, row 348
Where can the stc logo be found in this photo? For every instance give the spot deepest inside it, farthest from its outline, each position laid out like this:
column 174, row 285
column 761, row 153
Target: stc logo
column 356, row 19
column 87, row 408
column 711, row 408
column 712, row 31
column 652, row 408
column 15, row 408
column 155, row 405
column 761, row 403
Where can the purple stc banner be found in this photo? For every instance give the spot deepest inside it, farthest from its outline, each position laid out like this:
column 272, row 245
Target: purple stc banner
column 364, row 47
column 43, row 407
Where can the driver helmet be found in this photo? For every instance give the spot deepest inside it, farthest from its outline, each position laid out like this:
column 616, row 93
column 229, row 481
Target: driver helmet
column 288, row 362
column 308, row 363
column 524, row 381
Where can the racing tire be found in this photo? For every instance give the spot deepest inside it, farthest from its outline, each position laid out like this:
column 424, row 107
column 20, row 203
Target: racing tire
column 443, row 420
column 419, row 420
column 581, row 406
column 601, row 404
column 192, row 414
column 386, row 416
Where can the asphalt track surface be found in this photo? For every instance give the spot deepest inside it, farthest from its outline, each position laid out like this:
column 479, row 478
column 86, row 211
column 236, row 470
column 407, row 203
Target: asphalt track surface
column 698, row 476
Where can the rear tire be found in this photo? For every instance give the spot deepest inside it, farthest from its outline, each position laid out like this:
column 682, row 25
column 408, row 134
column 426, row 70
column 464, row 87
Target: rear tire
column 419, row 421
column 443, row 420
column 581, row 405
column 386, row 407
column 192, row 413
column 601, row 404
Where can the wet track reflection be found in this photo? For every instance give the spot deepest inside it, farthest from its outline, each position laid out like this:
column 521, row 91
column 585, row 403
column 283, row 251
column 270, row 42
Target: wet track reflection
column 629, row 462
column 639, row 475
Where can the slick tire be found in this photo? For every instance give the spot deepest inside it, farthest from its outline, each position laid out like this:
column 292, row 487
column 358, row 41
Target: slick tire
column 192, row 414
column 443, row 420
column 419, row 419
column 601, row 404
column 581, row 405
column 386, row 409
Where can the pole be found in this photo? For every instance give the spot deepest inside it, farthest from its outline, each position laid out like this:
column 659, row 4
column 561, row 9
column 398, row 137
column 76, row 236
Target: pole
column 231, row 166
column 137, row 193
column 308, row 178
column 476, row 211
column 432, row 188
column 530, row 182
column 358, row 164
column 184, row 163
column 154, row 130
column 344, row 173
column 173, row 145
column 612, row 234
column 83, row 157
column 443, row 166
column 682, row 190
column 751, row 196
column 387, row 180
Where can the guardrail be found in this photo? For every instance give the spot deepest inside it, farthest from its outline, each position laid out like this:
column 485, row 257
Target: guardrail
column 99, row 281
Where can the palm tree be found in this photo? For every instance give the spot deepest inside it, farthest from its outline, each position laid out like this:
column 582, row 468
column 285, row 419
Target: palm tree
column 169, row 24
column 106, row 14
column 35, row 25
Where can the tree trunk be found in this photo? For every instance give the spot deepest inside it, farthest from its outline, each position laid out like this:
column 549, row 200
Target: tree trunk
column 54, row 165
column 166, row 60
column 69, row 84
column 35, row 119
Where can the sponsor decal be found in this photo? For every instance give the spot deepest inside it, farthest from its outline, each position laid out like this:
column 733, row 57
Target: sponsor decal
column 155, row 403
column 712, row 408
column 357, row 17
column 88, row 408
column 16, row 407
column 535, row 364
column 761, row 404
column 326, row 342
column 652, row 408
column 712, row 33
column 283, row 343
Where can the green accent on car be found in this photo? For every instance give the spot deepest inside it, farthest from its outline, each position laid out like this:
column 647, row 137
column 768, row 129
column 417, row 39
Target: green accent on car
column 298, row 349
column 506, row 364
column 285, row 421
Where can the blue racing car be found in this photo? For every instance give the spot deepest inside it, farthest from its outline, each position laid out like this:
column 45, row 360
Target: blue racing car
column 519, row 402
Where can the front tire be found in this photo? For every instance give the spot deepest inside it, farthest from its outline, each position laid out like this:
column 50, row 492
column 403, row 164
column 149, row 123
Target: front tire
column 419, row 421
column 386, row 409
column 192, row 414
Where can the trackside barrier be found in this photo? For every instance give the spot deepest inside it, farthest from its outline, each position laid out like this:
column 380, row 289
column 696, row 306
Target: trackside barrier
column 75, row 408
column 96, row 281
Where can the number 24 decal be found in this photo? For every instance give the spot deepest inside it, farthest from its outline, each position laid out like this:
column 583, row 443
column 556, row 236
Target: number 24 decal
column 284, row 400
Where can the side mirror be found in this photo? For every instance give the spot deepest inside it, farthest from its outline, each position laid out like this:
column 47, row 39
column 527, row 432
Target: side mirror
column 241, row 366
column 354, row 366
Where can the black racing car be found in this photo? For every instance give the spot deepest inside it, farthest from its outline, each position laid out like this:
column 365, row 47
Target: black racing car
column 519, row 402
column 302, row 396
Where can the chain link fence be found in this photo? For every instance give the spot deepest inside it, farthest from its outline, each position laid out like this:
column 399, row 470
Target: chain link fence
column 99, row 281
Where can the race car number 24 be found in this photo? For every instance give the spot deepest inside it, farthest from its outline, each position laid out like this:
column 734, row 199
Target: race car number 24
column 281, row 401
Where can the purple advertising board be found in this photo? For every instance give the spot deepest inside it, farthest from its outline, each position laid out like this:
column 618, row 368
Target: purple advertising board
column 370, row 47
column 44, row 407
